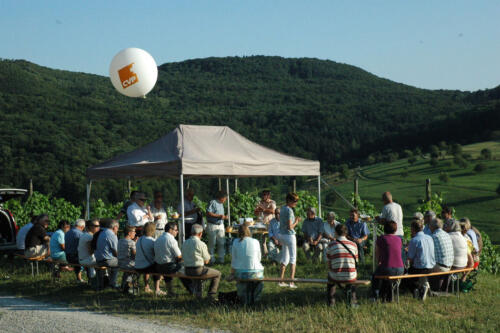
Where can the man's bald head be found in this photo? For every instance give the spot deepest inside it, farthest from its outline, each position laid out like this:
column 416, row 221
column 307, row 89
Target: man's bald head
column 387, row 197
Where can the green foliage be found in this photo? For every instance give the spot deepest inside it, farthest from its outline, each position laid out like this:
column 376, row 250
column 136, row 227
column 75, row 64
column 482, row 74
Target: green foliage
column 490, row 257
column 306, row 200
column 498, row 189
column 243, row 204
column 412, row 160
column 100, row 209
column 444, row 177
column 435, row 204
column 434, row 162
column 455, row 149
column 480, row 167
column 460, row 161
column 486, row 154
column 364, row 206
column 405, row 173
column 57, row 209
column 200, row 204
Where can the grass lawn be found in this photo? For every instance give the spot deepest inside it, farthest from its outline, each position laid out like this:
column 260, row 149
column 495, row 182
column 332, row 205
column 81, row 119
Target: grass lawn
column 472, row 194
column 280, row 310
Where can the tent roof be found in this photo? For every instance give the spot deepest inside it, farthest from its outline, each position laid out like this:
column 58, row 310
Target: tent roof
column 203, row 151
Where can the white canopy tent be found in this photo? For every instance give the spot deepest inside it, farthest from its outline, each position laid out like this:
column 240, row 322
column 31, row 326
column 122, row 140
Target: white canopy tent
column 202, row 151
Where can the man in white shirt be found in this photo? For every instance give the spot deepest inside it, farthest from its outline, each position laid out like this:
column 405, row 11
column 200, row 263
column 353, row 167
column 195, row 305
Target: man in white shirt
column 391, row 212
column 168, row 256
column 137, row 214
column 190, row 211
column 159, row 214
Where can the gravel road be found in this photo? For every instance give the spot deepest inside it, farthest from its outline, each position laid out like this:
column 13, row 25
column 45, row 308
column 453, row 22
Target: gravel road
column 25, row 315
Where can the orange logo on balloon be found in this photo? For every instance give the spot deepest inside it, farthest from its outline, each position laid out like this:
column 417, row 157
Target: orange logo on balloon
column 127, row 77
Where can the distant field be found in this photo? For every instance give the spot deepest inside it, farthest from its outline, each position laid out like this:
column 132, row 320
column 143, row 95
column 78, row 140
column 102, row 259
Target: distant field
column 472, row 194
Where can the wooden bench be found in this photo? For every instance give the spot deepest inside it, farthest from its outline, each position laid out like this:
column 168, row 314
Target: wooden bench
column 33, row 262
column 343, row 286
column 396, row 280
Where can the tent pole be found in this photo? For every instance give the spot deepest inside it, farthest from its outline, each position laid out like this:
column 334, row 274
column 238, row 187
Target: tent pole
column 181, row 238
column 87, row 208
column 228, row 202
column 319, row 195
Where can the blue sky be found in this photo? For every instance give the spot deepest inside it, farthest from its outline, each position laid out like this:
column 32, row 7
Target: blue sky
column 427, row 44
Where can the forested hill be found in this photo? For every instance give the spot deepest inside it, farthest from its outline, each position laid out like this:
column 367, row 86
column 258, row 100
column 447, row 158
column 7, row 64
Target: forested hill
column 54, row 124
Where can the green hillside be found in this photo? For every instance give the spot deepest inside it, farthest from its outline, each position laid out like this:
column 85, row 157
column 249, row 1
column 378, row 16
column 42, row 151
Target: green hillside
column 54, row 124
column 472, row 194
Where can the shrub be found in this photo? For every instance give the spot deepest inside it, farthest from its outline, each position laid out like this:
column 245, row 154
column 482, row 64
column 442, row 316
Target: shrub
column 434, row 204
column 444, row 178
column 455, row 149
column 480, row 167
column 460, row 161
column 243, row 204
column 486, row 154
column 490, row 258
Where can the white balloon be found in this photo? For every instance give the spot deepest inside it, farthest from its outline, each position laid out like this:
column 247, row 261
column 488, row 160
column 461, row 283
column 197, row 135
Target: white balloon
column 133, row 72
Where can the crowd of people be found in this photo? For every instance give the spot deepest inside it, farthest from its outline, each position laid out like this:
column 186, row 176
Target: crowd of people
column 150, row 246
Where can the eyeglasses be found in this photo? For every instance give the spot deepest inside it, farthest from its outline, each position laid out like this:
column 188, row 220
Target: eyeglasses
column 95, row 225
column 142, row 199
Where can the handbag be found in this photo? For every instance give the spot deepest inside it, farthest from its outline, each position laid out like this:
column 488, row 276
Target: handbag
column 352, row 254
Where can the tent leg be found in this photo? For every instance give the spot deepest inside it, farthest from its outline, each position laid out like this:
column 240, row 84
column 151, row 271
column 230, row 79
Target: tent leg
column 228, row 202
column 319, row 196
column 87, row 208
column 181, row 238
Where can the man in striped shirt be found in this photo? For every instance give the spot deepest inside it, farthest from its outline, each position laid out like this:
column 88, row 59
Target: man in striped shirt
column 342, row 256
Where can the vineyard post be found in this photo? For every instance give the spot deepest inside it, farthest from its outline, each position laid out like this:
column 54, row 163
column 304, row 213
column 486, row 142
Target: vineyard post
column 87, row 210
column 319, row 195
column 31, row 187
column 294, row 185
column 356, row 191
column 235, row 184
column 220, row 185
column 228, row 202
column 129, row 186
column 428, row 189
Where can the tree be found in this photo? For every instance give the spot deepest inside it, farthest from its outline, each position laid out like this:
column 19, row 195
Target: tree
column 407, row 153
column 480, row 167
column 434, row 162
column 455, row 149
column 434, row 151
column 486, row 154
column 459, row 161
column 444, row 177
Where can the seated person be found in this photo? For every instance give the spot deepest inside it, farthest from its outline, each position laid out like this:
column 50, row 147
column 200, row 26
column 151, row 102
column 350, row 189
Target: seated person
column 274, row 243
column 443, row 254
column 329, row 230
column 145, row 258
column 85, row 251
column 196, row 256
column 71, row 240
column 342, row 257
column 470, row 249
column 37, row 240
column 57, row 247
column 312, row 227
column 428, row 217
column 388, row 259
column 245, row 264
column 357, row 232
column 266, row 207
column 126, row 256
column 471, row 235
column 422, row 259
column 168, row 256
column 21, row 235
column 106, row 251
column 460, row 253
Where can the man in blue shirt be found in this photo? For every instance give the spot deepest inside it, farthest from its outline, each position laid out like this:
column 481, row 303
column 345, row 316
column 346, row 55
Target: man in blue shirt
column 215, row 228
column 71, row 239
column 358, row 232
column 421, row 257
column 428, row 217
column 312, row 227
column 106, row 252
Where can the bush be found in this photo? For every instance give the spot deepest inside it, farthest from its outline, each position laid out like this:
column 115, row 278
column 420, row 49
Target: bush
column 407, row 153
column 460, row 161
column 444, row 178
column 455, row 149
column 101, row 210
column 57, row 209
column 434, row 204
column 486, row 154
column 243, row 204
column 434, row 162
column 490, row 258
column 480, row 167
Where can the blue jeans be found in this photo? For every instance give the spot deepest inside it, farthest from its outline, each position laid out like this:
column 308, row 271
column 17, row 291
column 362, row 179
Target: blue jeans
column 377, row 285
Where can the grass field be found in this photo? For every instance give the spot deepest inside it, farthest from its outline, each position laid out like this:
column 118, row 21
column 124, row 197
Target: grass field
column 472, row 194
column 280, row 310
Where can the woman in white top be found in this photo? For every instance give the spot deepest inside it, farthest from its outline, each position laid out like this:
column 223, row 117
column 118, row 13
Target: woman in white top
column 459, row 246
column 145, row 258
column 245, row 264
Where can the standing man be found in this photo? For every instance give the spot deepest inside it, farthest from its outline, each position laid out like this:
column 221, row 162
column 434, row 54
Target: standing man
column 266, row 207
column 159, row 214
column 190, row 211
column 392, row 212
column 313, row 232
column 137, row 214
column 71, row 239
column 215, row 228
column 106, row 252
column 126, row 204
column 196, row 256
column 357, row 231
